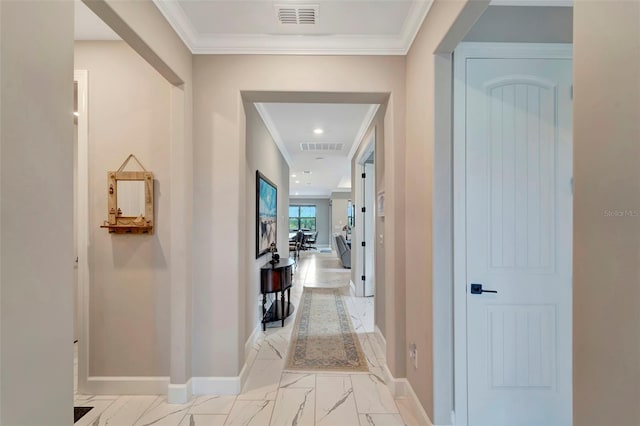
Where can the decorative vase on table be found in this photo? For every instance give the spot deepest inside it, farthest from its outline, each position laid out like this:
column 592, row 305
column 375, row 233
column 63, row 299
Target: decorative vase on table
column 275, row 257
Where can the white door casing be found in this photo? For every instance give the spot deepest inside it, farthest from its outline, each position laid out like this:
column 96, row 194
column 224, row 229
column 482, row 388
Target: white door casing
column 369, row 229
column 360, row 256
column 513, row 167
column 82, row 227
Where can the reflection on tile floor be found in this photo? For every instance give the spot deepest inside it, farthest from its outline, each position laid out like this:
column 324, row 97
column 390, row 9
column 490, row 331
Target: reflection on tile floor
column 272, row 396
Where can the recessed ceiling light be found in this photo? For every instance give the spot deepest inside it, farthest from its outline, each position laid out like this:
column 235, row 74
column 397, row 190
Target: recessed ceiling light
column 296, row 193
column 297, row 181
column 318, row 131
column 293, row 175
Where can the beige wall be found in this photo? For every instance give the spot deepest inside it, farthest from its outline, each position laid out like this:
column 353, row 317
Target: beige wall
column 517, row 24
column 219, row 166
column 262, row 154
column 606, row 297
column 36, row 256
column 440, row 27
column 143, row 27
column 129, row 107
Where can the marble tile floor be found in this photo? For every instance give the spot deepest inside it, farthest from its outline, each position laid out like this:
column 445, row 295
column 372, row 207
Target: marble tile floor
column 273, row 396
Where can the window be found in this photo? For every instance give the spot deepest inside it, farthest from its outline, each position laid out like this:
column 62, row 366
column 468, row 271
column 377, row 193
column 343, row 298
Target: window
column 302, row 217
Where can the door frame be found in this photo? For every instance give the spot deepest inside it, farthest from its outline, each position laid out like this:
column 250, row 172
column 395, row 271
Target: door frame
column 463, row 52
column 82, row 226
column 367, row 147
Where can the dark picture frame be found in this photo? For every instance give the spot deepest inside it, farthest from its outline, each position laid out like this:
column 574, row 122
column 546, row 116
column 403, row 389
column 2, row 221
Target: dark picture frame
column 266, row 214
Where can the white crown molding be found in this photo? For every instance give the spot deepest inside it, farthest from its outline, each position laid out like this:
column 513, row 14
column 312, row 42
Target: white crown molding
column 232, row 44
column 294, row 44
column 554, row 3
column 414, row 21
column 175, row 16
column 366, row 122
column 273, row 130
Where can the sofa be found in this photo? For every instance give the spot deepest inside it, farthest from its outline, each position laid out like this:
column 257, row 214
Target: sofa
column 344, row 250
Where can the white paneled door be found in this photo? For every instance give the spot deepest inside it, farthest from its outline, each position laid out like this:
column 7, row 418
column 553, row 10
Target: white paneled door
column 518, row 224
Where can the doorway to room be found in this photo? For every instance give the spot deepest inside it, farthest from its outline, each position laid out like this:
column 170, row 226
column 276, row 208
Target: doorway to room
column 326, row 145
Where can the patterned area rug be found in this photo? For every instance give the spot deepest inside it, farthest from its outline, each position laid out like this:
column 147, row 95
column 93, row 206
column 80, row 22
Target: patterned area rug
column 323, row 337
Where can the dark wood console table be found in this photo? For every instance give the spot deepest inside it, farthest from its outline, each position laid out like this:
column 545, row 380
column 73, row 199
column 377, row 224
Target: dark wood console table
column 276, row 278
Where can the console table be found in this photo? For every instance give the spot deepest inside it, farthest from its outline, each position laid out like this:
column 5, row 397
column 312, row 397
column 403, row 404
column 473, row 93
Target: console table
column 276, row 278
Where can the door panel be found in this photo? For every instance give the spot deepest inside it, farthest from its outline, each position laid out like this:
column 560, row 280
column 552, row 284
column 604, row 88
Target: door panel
column 518, row 195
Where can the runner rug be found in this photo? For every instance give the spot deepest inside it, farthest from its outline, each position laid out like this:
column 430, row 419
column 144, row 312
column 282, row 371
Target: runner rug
column 323, row 336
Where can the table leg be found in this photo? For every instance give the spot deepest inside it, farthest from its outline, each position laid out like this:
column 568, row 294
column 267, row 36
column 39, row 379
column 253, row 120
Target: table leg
column 289, row 301
column 264, row 311
column 282, row 305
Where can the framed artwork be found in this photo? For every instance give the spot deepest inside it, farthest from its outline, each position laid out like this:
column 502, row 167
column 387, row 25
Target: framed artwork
column 266, row 214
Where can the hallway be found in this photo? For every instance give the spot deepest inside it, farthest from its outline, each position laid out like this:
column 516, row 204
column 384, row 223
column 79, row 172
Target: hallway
column 271, row 395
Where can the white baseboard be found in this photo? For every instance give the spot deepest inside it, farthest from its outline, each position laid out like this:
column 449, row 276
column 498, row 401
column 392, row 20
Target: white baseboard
column 248, row 345
column 396, row 386
column 352, row 289
column 255, row 335
column 127, row 385
column 401, row 388
column 216, row 385
column 179, row 394
column 381, row 340
column 223, row 385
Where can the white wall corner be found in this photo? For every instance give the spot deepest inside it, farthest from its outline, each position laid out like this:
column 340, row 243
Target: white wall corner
column 180, row 393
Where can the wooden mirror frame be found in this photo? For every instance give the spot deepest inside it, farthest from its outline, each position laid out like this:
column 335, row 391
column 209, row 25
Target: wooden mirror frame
column 125, row 224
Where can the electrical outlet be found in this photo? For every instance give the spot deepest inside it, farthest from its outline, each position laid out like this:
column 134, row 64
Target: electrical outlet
column 413, row 354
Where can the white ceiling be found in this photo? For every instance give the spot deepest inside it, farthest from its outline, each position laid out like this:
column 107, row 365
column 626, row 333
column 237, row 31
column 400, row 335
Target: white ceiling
column 343, row 27
column 251, row 26
column 293, row 124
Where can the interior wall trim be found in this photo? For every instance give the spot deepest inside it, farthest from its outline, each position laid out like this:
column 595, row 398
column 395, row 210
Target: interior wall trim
column 381, row 339
column 401, row 389
column 179, row 393
column 249, row 355
column 127, row 385
column 216, row 385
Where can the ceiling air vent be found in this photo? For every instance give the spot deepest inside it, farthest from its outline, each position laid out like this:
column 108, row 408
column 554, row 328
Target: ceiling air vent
column 324, row 147
column 289, row 14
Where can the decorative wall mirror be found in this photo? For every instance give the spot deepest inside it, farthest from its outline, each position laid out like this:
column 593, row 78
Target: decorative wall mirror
column 130, row 200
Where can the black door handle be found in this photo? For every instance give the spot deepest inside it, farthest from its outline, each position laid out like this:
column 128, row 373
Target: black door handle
column 477, row 289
